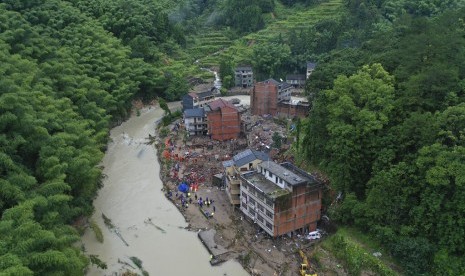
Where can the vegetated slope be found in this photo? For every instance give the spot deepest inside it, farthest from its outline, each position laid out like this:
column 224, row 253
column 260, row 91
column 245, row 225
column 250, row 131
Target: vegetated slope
column 286, row 19
column 64, row 81
column 207, row 43
column 388, row 131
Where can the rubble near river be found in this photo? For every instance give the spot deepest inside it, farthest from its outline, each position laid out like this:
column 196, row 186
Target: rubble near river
column 227, row 234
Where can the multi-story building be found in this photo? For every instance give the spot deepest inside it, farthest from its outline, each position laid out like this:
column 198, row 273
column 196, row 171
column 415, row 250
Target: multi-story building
column 243, row 76
column 281, row 198
column 297, row 80
column 310, row 68
column 244, row 161
column 223, row 120
column 195, row 121
column 196, row 100
column 266, row 95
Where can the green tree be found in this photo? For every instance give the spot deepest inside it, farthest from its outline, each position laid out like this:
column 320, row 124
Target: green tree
column 164, row 106
column 227, row 72
column 277, row 140
column 270, row 60
column 359, row 107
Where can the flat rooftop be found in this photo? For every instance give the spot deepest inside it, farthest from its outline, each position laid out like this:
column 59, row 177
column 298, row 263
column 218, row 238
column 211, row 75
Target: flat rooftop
column 260, row 182
column 291, row 177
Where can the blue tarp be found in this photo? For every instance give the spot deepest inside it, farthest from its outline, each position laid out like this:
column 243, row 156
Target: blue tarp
column 183, row 187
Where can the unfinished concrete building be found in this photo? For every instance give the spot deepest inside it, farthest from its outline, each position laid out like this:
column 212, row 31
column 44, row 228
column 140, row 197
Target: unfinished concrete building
column 281, row 198
column 266, row 95
column 243, row 76
column 223, row 120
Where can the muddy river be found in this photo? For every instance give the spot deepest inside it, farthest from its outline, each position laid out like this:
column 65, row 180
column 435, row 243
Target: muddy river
column 147, row 225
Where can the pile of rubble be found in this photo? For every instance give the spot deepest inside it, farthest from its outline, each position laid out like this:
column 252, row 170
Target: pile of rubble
column 260, row 131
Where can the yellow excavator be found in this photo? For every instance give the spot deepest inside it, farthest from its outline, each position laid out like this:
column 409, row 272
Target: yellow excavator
column 304, row 266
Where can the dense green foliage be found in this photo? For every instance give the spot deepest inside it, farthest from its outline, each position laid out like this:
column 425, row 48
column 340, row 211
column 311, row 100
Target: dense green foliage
column 387, row 122
column 355, row 258
column 64, row 80
column 390, row 134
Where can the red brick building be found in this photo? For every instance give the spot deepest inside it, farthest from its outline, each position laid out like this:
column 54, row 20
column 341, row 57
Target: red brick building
column 266, row 95
column 223, row 120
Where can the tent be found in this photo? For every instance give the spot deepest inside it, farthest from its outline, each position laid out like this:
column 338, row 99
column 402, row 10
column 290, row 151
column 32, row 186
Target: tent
column 183, row 187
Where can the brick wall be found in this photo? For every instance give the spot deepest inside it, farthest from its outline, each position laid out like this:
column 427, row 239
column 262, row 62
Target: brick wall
column 304, row 212
column 289, row 110
column 264, row 99
column 224, row 123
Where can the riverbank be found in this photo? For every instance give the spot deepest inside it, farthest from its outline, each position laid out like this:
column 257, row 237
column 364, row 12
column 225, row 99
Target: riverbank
column 131, row 198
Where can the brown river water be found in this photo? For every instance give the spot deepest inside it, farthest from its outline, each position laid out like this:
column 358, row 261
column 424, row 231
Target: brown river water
column 132, row 195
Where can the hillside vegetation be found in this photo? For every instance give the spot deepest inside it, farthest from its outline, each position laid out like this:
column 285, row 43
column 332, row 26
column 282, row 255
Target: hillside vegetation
column 387, row 121
column 387, row 127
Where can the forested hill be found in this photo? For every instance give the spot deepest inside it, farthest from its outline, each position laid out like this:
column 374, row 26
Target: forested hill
column 388, row 125
column 64, row 79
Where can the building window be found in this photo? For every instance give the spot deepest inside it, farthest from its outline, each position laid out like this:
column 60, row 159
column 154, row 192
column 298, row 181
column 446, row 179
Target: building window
column 260, row 207
column 244, row 195
column 269, row 214
column 251, row 201
column 260, row 218
column 270, row 174
column 269, row 226
column 252, row 212
column 244, row 205
column 260, row 196
column 269, row 203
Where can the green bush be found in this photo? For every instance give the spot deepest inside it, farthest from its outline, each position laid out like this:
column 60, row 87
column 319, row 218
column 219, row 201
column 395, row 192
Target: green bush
column 355, row 257
column 97, row 231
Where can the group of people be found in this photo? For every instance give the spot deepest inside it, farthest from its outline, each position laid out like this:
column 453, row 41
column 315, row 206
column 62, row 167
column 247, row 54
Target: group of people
column 186, row 199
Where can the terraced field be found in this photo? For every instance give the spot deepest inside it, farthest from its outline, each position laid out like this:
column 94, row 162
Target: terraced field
column 208, row 43
column 283, row 20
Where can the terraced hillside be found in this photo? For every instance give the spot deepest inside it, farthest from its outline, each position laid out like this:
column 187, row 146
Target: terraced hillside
column 283, row 20
column 208, row 43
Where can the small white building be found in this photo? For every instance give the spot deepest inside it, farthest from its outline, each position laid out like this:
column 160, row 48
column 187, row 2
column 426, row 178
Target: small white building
column 195, row 121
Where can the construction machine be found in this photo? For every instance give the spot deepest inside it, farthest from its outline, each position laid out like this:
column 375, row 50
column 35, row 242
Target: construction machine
column 304, row 266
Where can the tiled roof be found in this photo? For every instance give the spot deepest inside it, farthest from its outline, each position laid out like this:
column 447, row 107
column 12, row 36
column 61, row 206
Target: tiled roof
column 205, row 93
column 311, row 65
column 195, row 112
column 219, row 103
column 295, row 77
column 243, row 68
column 247, row 156
column 272, row 81
column 228, row 163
